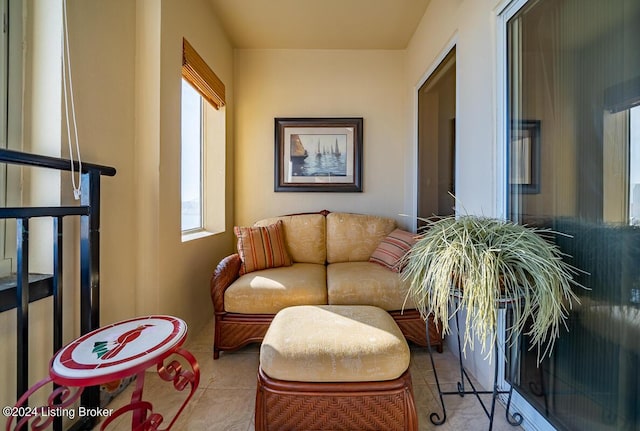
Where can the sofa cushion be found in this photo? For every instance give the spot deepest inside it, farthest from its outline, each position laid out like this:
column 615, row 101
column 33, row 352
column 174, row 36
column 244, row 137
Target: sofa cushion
column 393, row 248
column 304, row 236
column 334, row 344
column 354, row 237
column 270, row 290
column 366, row 283
column 261, row 247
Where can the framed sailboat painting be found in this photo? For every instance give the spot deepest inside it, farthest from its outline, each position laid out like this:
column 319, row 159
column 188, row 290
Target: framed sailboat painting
column 318, row 155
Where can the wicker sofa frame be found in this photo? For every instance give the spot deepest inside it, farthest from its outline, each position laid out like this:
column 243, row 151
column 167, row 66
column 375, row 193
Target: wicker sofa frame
column 235, row 330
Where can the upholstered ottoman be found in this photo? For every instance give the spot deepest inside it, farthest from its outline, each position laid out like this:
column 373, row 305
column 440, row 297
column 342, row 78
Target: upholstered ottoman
column 334, row 367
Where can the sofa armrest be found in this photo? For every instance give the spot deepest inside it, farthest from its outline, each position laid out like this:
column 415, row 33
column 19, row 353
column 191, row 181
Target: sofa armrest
column 225, row 273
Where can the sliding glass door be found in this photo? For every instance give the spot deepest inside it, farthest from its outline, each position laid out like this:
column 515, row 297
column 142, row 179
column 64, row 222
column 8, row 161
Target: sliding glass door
column 573, row 70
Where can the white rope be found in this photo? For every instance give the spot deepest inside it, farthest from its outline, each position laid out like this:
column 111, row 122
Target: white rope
column 66, row 74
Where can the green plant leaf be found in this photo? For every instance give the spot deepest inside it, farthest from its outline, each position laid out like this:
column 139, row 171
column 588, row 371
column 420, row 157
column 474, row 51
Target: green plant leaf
column 477, row 263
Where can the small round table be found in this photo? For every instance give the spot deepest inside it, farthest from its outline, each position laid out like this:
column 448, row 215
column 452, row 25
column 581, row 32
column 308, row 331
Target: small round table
column 110, row 353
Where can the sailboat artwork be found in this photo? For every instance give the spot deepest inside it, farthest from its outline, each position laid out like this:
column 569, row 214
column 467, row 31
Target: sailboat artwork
column 329, row 155
column 318, row 154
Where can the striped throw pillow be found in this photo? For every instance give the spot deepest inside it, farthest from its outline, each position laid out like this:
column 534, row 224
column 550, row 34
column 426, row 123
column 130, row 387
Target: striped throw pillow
column 261, row 247
column 392, row 249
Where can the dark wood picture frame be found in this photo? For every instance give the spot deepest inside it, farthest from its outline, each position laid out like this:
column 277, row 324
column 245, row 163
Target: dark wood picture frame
column 318, row 154
column 524, row 153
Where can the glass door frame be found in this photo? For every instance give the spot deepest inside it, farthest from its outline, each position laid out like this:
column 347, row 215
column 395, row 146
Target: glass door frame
column 533, row 420
column 451, row 44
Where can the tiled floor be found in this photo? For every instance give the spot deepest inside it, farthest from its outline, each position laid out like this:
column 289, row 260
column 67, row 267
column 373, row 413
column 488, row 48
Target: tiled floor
column 225, row 398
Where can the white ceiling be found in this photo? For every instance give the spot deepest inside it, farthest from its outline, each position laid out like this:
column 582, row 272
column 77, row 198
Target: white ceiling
column 320, row 24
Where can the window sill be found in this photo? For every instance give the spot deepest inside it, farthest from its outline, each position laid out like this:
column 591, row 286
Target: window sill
column 192, row 236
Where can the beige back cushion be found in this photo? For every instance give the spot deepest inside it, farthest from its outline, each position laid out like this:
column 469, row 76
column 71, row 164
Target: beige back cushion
column 304, row 235
column 354, row 237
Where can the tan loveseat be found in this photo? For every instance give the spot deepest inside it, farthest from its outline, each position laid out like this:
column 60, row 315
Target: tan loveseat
column 330, row 255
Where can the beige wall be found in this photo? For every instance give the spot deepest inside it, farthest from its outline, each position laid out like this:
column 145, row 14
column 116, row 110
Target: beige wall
column 126, row 59
column 184, row 269
column 128, row 84
column 102, row 66
column 320, row 83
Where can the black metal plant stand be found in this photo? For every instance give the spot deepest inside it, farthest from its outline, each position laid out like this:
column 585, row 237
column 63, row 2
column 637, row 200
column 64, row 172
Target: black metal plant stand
column 435, row 417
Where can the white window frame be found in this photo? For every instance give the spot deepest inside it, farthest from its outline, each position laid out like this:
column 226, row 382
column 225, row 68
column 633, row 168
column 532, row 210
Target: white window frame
column 201, row 138
column 451, row 43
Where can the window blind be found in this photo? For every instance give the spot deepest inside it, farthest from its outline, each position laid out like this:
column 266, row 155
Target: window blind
column 196, row 71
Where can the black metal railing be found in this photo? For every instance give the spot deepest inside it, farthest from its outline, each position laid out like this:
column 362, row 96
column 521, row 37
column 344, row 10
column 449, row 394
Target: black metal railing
column 29, row 287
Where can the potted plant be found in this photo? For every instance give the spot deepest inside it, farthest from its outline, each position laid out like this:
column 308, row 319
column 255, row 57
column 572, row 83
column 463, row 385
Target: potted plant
column 477, row 263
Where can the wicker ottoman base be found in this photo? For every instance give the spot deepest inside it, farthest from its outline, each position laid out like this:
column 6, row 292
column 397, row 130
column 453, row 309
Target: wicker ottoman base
column 363, row 406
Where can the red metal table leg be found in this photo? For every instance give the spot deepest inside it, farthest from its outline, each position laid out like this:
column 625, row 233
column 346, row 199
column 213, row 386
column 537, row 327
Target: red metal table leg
column 181, row 378
column 41, row 417
column 144, row 418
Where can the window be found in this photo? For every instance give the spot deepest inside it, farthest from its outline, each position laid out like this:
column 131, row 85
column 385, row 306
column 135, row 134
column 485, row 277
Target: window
column 573, row 80
column 192, row 146
column 202, row 148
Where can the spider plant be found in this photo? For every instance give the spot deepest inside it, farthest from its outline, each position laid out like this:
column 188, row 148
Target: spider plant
column 479, row 263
